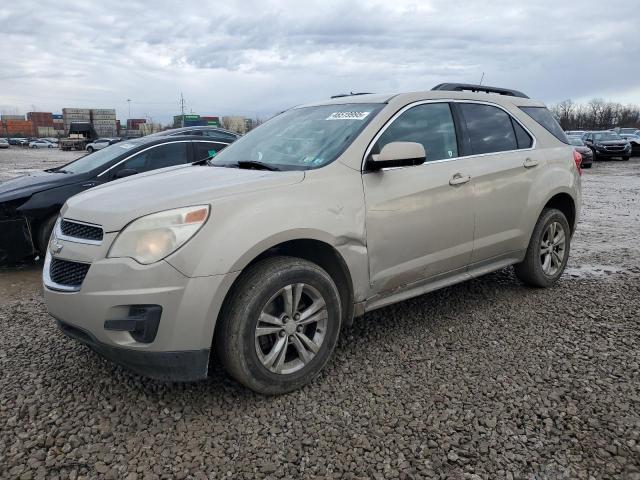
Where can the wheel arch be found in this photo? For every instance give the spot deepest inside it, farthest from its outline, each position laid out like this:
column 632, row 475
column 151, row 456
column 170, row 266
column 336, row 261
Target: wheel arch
column 317, row 251
column 564, row 202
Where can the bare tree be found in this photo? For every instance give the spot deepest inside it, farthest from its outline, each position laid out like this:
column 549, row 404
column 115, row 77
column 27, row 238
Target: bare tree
column 597, row 114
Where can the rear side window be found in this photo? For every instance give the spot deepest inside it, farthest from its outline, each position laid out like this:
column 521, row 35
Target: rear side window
column 489, row 128
column 522, row 137
column 545, row 118
column 205, row 150
column 430, row 124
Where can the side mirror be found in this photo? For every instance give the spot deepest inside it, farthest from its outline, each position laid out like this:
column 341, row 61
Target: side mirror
column 398, row 154
column 125, row 172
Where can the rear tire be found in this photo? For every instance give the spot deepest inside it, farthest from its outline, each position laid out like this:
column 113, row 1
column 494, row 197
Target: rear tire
column 90, row 149
column 548, row 250
column 280, row 325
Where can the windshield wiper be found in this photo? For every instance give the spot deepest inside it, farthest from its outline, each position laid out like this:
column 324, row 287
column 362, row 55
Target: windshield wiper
column 253, row 165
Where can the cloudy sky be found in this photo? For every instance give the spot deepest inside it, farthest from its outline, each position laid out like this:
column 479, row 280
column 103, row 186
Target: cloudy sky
column 255, row 58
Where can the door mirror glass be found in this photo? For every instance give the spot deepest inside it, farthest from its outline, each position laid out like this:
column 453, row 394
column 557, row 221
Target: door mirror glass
column 126, row 172
column 398, row 154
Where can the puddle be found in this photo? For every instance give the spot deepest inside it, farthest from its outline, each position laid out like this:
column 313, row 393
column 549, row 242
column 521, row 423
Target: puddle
column 592, row 271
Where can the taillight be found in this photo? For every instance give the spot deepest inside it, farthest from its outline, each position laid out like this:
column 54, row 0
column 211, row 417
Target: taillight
column 578, row 159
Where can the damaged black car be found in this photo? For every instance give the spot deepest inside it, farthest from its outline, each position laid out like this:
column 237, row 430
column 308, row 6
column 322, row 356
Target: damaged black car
column 29, row 204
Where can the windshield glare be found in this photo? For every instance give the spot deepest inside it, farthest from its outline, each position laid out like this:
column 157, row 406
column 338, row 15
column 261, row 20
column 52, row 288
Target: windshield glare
column 98, row 158
column 604, row 136
column 301, row 138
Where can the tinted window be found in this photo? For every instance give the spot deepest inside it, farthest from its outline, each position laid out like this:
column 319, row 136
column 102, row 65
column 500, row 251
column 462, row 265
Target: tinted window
column 522, row 137
column 161, row 156
column 489, row 128
column 206, row 150
column 545, row 118
column 430, row 124
column 223, row 137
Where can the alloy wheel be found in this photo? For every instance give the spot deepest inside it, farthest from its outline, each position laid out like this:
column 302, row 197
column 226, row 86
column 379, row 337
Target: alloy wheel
column 552, row 248
column 291, row 328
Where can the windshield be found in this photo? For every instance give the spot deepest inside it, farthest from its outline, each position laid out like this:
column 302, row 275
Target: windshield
column 98, row 158
column 576, row 141
column 300, row 138
column 604, row 136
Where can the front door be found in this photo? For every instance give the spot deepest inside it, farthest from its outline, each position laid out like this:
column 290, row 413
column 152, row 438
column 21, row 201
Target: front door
column 420, row 219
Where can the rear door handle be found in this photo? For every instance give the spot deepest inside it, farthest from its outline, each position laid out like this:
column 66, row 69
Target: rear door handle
column 459, row 179
column 530, row 163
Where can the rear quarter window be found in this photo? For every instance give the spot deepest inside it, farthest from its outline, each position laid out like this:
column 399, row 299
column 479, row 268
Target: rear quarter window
column 545, row 118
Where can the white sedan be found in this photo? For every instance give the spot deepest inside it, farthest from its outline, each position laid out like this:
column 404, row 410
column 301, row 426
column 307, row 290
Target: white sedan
column 99, row 144
column 41, row 144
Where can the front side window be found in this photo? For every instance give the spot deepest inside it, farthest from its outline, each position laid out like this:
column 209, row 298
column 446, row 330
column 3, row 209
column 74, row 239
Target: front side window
column 490, row 129
column 161, row 156
column 301, row 138
column 430, row 124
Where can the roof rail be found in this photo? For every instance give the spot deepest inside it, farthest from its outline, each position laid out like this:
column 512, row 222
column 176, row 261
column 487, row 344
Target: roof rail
column 460, row 87
column 350, row 94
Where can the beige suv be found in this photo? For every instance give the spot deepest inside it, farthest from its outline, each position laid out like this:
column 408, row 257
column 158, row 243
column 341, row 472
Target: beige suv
column 325, row 212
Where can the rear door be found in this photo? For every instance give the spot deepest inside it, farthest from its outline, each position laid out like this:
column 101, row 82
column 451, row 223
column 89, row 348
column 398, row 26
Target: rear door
column 419, row 219
column 504, row 166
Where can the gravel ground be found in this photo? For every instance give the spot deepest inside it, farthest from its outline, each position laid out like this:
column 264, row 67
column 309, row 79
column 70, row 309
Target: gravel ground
column 484, row 380
column 15, row 161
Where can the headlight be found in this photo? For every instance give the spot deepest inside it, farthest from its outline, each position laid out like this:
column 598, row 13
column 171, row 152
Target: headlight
column 153, row 237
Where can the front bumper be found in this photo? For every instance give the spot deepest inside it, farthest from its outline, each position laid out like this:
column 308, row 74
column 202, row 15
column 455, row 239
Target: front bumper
column 182, row 366
column 179, row 349
column 601, row 153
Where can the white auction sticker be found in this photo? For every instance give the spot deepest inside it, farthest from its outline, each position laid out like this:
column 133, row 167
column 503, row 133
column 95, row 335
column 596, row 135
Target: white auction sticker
column 348, row 116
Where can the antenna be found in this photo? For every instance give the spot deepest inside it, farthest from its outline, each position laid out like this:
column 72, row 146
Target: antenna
column 181, row 110
column 481, row 78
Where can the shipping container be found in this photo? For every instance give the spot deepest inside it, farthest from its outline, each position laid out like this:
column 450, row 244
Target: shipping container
column 45, row 131
column 84, row 111
column 6, row 118
column 57, row 116
column 103, row 111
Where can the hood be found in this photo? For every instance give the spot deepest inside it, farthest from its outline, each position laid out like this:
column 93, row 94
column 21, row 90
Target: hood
column 611, row 142
column 116, row 204
column 27, row 185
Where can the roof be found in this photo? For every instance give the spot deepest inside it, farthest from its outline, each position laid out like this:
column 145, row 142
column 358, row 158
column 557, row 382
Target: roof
column 428, row 95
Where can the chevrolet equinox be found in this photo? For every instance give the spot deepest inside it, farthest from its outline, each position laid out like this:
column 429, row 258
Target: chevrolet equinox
column 323, row 213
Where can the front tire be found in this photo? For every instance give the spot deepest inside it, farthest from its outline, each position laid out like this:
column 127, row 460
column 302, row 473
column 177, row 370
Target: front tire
column 90, row 149
column 548, row 250
column 625, row 158
column 280, row 325
column 44, row 233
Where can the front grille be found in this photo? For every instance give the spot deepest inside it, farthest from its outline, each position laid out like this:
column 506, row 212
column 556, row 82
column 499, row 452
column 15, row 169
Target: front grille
column 64, row 272
column 80, row 230
column 614, row 148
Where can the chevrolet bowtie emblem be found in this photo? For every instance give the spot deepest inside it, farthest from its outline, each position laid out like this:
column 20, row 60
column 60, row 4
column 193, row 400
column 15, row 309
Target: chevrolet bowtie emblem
column 55, row 246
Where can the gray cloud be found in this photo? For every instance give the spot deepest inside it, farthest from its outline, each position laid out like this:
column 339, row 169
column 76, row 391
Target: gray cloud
column 258, row 57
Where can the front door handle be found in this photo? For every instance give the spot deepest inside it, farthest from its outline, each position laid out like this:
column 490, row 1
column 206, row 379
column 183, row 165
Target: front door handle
column 459, row 179
column 529, row 163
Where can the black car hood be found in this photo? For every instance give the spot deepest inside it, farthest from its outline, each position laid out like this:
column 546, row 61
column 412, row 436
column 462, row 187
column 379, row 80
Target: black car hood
column 612, row 142
column 27, row 185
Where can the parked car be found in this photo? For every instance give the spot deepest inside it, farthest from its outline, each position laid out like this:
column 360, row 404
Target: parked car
column 583, row 150
column 39, row 143
column 29, row 205
column 15, row 141
column 4, row 143
column 575, row 133
column 634, row 140
column 632, row 131
column 99, row 144
column 607, row 144
column 326, row 211
column 209, row 132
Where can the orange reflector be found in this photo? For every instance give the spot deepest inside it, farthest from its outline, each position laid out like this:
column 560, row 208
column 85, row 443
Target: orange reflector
column 197, row 216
